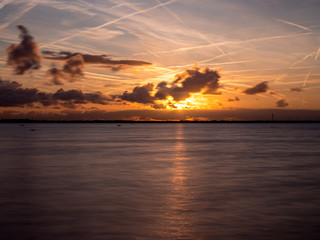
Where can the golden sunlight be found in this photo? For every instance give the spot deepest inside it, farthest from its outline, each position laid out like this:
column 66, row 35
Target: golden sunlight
column 196, row 101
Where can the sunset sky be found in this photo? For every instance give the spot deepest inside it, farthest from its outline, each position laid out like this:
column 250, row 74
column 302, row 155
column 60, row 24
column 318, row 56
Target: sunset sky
column 92, row 58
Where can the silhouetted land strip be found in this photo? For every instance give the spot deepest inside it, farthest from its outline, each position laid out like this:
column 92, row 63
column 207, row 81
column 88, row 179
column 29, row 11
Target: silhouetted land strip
column 153, row 121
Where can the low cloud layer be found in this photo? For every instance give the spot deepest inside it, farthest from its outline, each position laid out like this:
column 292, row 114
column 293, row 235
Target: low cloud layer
column 282, row 103
column 25, row 55
column 12, row 94
column 259, row 88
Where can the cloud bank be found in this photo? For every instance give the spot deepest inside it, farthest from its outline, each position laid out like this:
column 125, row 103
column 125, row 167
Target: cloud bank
column 12, row 94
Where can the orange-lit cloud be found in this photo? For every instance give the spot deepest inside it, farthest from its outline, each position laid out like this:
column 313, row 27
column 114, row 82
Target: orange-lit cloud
column 193, row 80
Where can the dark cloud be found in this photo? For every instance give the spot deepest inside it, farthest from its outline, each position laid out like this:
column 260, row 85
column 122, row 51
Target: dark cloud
column 12, row 94
column 139, row 94
column 71, row 71
column 192, row 80
column 282, row 103
column 25, row 55
column 259, row 88
column 234, row 99
column 78, row 97
column 57, row 75
column 93, row 59
column 74, row 66
column 296, row 89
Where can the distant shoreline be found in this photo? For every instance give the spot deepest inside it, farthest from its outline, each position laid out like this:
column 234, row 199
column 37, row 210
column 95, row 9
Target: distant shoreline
column 153, row 121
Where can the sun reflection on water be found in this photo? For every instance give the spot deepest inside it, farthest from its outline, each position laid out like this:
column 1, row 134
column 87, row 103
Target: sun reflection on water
column 177, row 215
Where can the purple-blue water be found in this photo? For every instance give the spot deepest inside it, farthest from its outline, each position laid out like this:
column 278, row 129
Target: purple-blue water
column 160, row 181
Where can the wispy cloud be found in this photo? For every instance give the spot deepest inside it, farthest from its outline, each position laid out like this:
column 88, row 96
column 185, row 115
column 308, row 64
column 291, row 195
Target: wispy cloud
column 109, row 23
column 19, row 14
column 224, row 43
column 306, row 78
column 318, row 52
column 195, row 31
column 304, row 59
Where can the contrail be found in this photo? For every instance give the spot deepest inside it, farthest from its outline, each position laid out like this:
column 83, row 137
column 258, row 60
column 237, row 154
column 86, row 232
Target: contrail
column 229, row 42
column 303, row 59
column 193, row 30
column 317, row 54
column 294, row 24
column 18, row 15
column 4, row 2
column 306, row 78
column 110, row 22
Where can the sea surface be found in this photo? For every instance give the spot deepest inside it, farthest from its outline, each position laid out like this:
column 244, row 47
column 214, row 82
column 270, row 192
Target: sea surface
column 159, row 181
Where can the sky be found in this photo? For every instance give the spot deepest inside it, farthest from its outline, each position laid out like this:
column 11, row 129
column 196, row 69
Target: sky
column 159, row 59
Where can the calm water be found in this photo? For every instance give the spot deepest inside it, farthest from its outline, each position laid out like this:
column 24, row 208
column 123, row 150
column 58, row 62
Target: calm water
column 160, row 181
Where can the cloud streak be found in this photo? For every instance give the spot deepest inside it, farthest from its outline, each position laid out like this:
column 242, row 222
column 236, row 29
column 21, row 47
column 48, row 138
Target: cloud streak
column 93, row 59
column 75, row 63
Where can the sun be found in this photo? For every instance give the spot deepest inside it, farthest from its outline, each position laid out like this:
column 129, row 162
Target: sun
column 191, row 103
